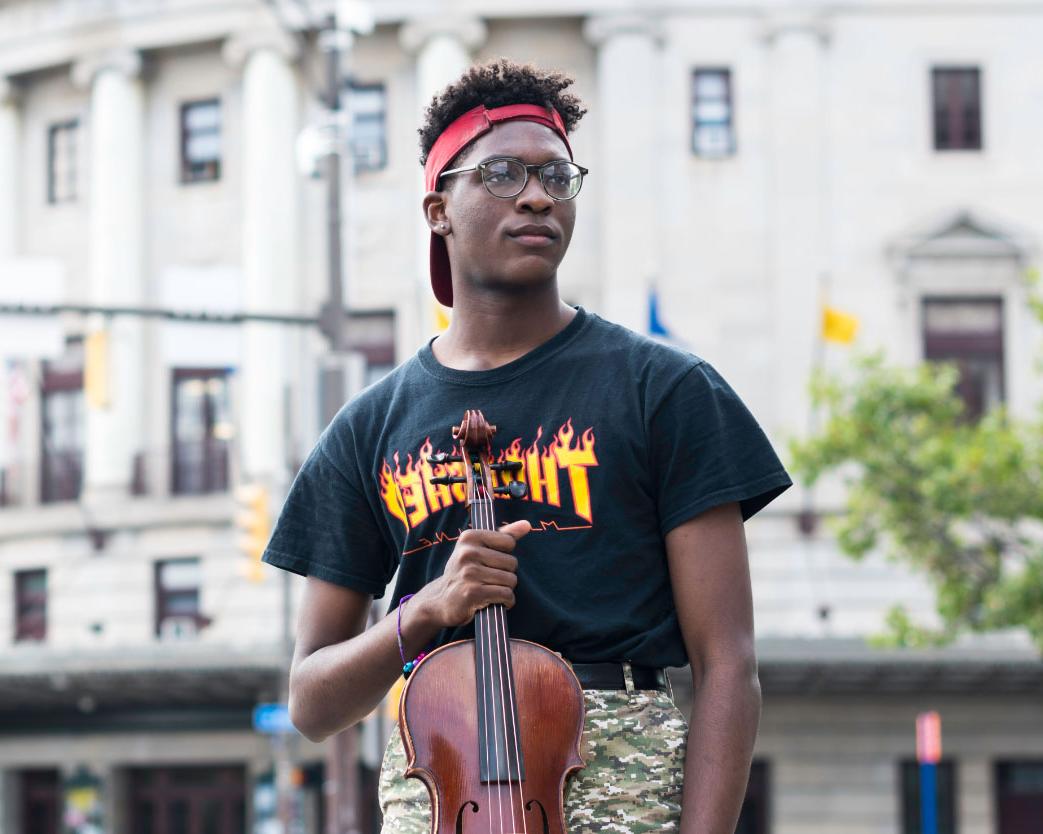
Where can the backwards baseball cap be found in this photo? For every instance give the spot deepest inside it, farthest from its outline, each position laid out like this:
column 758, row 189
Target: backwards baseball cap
column 458, row 135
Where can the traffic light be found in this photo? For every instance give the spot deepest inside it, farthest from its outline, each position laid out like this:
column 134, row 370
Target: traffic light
column 254, row 522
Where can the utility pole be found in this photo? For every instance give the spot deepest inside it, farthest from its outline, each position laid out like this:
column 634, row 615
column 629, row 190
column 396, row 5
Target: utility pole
column 342, row 771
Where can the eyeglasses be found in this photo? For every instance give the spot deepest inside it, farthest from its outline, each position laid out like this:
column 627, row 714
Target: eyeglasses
column 506, row 177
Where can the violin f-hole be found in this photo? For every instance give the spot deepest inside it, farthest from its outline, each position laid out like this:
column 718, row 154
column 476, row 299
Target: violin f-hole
column 460, row 814
column 543, row 813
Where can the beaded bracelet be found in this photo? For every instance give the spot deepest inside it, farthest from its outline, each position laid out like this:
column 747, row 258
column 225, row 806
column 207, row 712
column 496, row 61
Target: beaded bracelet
column 407, row 665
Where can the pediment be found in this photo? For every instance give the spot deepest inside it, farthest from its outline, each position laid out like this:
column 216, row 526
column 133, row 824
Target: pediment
column 961, row 234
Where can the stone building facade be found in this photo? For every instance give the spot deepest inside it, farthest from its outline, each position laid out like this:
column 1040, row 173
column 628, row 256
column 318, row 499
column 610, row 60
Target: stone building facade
column 747, row 160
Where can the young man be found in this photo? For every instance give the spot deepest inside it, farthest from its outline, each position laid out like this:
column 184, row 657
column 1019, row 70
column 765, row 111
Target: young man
column 628, row 555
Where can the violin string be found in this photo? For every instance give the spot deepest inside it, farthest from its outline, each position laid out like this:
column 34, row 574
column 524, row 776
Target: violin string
column 484, row 522
column 502, row 612
column 482, row 629
column 514, row 728
column 485, row 710
column 487, row 698
column 485, row 510
column 503, row 648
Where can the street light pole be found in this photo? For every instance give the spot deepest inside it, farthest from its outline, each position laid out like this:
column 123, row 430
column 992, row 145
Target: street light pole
column 341, row 788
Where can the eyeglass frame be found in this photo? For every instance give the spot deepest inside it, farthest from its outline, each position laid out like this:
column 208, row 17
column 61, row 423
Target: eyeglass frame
column 480, row 167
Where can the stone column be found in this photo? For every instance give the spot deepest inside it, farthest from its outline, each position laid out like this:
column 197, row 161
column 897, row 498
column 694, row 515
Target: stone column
column 270, row 232
column 796, row 67
column 443, row 48
column 9, row 191
column 627, row 79
column 115, row 262
column 10, row 123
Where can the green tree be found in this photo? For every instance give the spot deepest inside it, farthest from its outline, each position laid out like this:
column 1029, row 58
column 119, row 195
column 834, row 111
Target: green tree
column 959, row 501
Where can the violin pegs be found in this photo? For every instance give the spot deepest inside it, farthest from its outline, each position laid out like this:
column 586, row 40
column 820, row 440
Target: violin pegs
column 515, row 489
column 448, row 479
column 442, row 457
column 506, row 466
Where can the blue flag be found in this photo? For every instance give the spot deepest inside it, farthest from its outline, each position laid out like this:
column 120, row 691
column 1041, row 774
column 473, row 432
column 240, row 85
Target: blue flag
column 655, row 326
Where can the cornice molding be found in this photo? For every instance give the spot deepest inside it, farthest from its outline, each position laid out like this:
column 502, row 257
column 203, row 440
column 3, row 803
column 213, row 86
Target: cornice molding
column 470, row 31
column 601, row 28
column 775, row 25
column 240, row 45
column 127, row 62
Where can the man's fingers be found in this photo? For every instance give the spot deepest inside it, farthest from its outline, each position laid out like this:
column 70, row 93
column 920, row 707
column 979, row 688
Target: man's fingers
column 516, row 529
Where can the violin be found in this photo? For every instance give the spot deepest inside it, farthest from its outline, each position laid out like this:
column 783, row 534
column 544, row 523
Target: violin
column 492, row 726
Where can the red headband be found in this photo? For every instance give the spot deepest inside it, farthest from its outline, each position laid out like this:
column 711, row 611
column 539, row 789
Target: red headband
column 451, row 141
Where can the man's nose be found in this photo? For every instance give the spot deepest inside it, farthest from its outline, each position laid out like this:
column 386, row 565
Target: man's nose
column 533, row 196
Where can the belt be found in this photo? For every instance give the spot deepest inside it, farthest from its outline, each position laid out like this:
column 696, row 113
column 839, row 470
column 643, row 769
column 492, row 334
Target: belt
column 611, row 676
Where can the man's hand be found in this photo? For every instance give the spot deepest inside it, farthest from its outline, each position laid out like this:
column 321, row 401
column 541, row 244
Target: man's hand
column 481, row 571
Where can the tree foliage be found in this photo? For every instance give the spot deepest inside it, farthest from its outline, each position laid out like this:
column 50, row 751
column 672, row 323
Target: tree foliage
column 959, row 501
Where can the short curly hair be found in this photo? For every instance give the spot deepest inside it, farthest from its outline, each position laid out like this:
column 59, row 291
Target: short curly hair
column 496, row 84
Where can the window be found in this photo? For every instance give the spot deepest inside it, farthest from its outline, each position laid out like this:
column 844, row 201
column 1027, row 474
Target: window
column 201, row 799
column 957, row 108
column 367, row 106
column 713, row 129
column 1019, row 796
column 201, row 141
column 202, row 431
column 30, row 605
column 945, row 781
column 177, row 598
column 753, row 819
column 969, row 332
column 62, row 173
column 62, row 416
column 42, row 800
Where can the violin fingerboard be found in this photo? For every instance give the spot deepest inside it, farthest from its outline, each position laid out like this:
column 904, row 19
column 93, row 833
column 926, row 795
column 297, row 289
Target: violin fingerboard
column 500, row 758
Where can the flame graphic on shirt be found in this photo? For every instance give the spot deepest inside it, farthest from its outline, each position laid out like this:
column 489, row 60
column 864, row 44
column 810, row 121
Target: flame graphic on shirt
column 409, row 496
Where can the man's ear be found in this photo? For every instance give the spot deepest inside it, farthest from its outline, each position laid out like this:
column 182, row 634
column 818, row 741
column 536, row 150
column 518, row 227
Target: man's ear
column 434, row 213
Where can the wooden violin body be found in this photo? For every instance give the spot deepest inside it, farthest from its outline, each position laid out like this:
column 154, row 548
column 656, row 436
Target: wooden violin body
column 439, row 722
column 491, row 725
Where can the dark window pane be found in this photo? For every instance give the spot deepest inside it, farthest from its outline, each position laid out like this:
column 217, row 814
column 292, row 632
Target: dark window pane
column 1019, row 796
column 201, row 141
column 367, row 107
column 62, row 430
column 956, row 108
column 61, row 161
column 713, row 133
column 945, row 782
column 202, row 431
column 30, row 605
column 177, row 594
column 968, row 332
column 178, row 816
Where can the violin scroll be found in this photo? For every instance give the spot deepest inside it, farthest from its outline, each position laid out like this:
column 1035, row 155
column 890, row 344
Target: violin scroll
column 475, row 435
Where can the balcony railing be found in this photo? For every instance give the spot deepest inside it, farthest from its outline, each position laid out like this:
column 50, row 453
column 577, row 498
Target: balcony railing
column 61, row 476
column 199, row 468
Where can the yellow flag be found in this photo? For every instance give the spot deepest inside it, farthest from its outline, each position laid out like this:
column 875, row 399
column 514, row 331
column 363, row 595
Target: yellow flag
column 96, row 369
column 441, row 318
column 838, row 326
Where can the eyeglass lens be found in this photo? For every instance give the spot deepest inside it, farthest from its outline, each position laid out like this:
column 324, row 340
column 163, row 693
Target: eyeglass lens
column 506, row 178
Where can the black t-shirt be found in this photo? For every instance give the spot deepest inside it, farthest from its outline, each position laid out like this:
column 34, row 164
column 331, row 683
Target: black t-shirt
column 621, row 440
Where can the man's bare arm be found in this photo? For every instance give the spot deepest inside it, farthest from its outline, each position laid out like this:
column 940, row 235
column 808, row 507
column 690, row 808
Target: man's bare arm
column 341, row 670
column 709, row 572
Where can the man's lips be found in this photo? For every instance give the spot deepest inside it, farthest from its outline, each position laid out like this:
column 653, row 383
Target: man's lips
column 533, row 235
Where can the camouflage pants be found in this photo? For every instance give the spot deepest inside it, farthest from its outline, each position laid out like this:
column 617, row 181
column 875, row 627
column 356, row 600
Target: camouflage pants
column 634, row 749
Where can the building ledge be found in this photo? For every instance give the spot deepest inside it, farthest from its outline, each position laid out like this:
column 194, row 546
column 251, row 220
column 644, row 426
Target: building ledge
column 109, row 681
column 838, row 665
